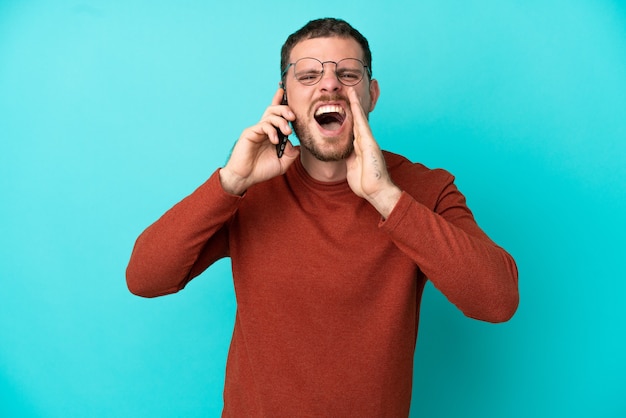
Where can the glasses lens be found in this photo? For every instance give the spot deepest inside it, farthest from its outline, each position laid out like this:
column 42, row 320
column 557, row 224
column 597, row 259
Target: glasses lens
column 308, row 71
column 350, row 71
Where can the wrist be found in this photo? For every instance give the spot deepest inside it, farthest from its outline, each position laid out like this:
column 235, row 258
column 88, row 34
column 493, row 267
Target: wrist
column 231, row 183
column 385, row 200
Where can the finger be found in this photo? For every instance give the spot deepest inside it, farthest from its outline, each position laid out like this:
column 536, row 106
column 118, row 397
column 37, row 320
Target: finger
column 280, row 123
column 355, row 106
column 291, row 152
column 270, row 128
column 278, row 96
column 361, row 126
column 279, row 109
column 263, row 131
column 358, row 150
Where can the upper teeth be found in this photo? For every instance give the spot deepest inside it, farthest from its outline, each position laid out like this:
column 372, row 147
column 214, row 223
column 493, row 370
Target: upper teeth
column 329, row 109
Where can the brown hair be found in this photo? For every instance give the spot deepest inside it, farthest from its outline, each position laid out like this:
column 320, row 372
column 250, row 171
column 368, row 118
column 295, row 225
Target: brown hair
column 324, row 28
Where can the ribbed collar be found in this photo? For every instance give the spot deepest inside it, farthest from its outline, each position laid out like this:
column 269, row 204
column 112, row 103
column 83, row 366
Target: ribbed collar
column 298, row 170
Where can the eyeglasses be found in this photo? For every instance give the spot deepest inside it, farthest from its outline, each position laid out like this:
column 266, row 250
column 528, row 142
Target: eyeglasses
column 309, row 71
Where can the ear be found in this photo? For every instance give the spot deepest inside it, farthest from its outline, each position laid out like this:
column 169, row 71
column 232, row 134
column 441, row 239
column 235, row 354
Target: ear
column 374, row 93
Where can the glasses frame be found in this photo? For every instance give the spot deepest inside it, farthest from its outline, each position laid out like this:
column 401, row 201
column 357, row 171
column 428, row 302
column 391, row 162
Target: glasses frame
column 367, row 71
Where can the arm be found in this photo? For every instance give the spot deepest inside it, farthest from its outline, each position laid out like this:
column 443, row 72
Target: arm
column 254, row 156
column 475, row 274
column 181, row 244
column 193, row 234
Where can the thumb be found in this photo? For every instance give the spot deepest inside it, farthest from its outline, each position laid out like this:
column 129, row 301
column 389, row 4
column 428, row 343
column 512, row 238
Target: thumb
column 351, row 161
column 290, row 154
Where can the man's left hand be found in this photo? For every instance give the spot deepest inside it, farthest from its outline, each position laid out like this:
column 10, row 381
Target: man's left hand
column 367, row 172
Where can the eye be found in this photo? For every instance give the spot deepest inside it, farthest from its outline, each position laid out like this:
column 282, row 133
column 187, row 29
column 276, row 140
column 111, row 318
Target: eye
column 308, row 76
column 349, row 75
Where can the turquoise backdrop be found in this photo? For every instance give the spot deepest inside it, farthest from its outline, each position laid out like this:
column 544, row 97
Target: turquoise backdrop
column 113, row 110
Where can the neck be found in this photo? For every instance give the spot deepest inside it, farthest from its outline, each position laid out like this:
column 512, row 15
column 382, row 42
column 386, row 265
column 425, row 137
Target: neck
column 325, row 171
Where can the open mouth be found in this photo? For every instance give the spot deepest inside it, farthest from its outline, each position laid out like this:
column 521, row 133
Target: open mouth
column 330, row 117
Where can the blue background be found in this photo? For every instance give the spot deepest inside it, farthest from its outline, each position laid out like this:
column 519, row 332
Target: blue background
column 112, row 111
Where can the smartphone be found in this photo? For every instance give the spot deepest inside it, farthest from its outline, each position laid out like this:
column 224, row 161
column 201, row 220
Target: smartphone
column 282, row 138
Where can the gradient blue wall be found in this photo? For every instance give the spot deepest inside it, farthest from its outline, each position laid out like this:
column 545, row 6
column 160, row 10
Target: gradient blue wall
column 112, row 111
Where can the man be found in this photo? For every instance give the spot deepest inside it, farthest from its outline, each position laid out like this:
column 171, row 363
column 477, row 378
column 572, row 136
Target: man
column 331, row 245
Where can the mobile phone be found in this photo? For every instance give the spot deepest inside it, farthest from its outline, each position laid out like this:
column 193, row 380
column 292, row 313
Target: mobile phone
column 282, row 138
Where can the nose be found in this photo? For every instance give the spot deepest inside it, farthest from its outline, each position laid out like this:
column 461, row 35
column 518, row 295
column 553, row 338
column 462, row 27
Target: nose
column 329, row 81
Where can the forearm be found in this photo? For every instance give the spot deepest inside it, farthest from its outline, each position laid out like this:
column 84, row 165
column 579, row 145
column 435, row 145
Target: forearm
column 475, row 274
column 182, row 243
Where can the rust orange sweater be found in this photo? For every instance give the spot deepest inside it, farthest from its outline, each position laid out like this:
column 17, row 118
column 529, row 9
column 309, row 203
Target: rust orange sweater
column 327, row 292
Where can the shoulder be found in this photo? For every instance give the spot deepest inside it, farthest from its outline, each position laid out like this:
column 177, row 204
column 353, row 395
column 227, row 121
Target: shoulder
column 401, row 166
column 422, row 183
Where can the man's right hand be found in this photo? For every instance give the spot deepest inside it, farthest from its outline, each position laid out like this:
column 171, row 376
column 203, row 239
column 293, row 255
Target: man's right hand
column 254, row 158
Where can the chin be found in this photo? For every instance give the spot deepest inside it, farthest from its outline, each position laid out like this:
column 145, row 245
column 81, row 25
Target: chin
column 332, row 155
column 325, row 149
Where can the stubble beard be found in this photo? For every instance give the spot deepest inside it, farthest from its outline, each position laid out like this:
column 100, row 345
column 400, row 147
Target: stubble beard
column 323, row 149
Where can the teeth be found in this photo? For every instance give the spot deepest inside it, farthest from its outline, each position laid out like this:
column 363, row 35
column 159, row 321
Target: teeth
column 329, row 109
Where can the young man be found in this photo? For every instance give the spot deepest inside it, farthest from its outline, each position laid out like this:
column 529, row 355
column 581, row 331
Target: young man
column 331, row 245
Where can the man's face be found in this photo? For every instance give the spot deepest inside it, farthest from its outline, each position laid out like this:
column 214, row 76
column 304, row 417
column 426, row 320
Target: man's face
column 323, row 118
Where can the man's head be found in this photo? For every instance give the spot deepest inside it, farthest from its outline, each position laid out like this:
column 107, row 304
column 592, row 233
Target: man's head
column 325, row 28
column 320, row 63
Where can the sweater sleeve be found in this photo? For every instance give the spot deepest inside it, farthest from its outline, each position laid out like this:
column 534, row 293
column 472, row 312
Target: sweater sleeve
column 475, row 274
column 181, row 244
